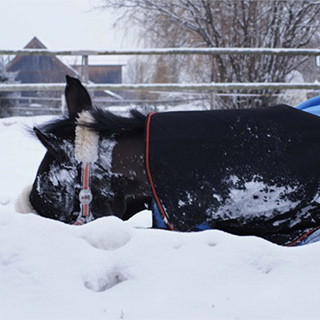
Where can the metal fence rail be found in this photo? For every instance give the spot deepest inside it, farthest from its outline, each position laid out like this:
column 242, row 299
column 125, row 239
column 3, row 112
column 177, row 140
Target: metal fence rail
column 212, row 88
column 169, row 86
column 168, row 51
column 163, row 51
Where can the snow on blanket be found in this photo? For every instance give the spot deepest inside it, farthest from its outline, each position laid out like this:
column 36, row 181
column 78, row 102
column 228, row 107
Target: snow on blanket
column 109, row 269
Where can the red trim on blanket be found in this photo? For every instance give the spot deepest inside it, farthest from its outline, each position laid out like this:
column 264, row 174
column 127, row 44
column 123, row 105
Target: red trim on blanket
column 301, row 238
column 165, row 218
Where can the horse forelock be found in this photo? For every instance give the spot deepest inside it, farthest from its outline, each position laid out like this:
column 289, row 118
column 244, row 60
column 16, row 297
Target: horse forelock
column 86, row 141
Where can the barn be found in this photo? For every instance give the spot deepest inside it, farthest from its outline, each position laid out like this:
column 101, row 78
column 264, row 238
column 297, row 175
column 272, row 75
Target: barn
column 50, row 69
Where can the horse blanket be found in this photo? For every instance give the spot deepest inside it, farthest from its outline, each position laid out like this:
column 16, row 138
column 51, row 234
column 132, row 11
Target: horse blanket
column 247, row 172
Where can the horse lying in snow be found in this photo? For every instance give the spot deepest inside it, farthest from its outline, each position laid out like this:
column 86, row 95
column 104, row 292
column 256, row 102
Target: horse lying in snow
column 247, row 172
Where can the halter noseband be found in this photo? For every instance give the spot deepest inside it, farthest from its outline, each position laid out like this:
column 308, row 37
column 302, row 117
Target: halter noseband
column 86, row 152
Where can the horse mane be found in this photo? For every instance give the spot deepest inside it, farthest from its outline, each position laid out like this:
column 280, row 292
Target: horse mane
column 108, row 123
column 105, row 123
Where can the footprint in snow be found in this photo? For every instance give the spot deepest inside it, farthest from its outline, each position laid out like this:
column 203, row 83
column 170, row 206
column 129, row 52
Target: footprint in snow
column 106, row 282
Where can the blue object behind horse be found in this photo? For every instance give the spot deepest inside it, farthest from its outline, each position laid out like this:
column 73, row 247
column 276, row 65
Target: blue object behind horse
column 312, row 106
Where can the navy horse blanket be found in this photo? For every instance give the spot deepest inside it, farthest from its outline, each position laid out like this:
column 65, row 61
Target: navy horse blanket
column 246, row 172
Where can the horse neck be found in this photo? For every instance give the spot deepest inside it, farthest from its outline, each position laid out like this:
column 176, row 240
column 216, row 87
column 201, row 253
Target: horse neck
column 128, row 161
column 128, row 156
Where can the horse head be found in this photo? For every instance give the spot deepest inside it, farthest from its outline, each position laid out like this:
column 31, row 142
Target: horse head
column 118, row 183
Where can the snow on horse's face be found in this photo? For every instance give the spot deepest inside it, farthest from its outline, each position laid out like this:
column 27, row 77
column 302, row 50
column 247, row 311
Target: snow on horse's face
column 56, row 184
column 56, row 189
column 55, row 193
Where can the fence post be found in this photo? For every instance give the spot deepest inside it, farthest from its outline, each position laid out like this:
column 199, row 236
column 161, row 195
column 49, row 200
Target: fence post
column 85, row 69
column 212, row 95
column 212, row 100
column 63, row 104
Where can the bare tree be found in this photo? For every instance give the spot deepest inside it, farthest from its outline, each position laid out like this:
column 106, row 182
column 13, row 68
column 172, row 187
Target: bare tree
column 226, row 23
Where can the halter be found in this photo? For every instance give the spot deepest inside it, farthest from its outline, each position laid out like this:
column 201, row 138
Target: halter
column 86, row 153
column 85, row 196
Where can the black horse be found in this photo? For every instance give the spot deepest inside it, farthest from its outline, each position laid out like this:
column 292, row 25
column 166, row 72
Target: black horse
column 247, row 172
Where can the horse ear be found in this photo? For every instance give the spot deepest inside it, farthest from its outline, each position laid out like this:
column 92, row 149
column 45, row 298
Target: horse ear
column 77, row 97
column 50, row 142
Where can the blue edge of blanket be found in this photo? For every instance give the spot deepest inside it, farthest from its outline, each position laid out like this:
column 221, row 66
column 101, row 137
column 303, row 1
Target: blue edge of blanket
column 312, row 106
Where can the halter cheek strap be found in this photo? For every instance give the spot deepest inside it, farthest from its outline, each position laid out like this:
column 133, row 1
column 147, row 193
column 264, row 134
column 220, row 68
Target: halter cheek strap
column 85, row 196
column 86, row 153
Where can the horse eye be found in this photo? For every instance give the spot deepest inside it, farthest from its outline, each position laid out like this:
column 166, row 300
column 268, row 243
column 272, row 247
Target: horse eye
column 51, row 195
column 67, row 167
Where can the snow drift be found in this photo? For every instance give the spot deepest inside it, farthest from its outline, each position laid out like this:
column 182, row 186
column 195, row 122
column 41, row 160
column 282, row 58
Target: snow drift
column 109, row 269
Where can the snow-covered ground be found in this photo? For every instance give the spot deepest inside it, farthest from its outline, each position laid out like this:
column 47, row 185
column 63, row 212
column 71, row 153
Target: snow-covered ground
column 111, row 269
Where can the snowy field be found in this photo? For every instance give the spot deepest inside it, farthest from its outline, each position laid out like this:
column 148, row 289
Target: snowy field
column 111, row 269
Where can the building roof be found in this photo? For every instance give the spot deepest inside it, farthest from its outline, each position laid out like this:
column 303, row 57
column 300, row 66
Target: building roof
column 39, row 69
column 50, row 69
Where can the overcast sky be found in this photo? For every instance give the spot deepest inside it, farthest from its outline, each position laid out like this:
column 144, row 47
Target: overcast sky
column 59, row 24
